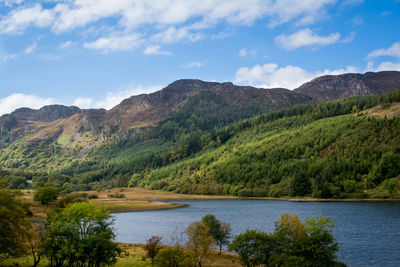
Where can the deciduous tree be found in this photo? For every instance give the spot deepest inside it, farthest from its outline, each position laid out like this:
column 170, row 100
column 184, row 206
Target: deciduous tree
column 81, row 234
column 199, row 242
column 14, row 224
column 152, row 247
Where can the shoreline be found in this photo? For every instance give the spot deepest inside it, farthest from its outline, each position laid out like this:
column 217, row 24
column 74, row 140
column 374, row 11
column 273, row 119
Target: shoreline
column 139, row 199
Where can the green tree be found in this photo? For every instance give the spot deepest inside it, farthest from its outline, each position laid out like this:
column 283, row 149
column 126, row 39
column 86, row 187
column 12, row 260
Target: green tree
column 291, row 244
column 46, row 194
column 388, row 167
column 14, row 223
column 220, row 231
column 253, row 247
column 152, row 247
column 301, row 184
column 391, row 185
column 171, row 257
column 199, row 242
column 319, row 247
column 81, row 234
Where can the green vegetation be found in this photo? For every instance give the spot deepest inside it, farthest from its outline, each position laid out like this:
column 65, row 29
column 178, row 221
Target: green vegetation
column 14, row 223
column 291, row 244
column 326, row 150
column 81, row 234
column 46, row 194
column 304, row 151
column 220, row 231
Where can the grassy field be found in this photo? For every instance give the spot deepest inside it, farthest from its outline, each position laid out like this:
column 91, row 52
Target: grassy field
column 134, row 255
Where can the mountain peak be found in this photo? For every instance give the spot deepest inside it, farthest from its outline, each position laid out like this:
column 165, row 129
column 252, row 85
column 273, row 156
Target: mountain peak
column 188, row 85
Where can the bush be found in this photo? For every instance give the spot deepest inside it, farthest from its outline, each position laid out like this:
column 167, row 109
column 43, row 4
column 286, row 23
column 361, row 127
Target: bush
column 92, row 196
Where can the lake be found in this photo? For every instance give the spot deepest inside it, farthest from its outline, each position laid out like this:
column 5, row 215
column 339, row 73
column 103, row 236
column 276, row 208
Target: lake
column 368, row 233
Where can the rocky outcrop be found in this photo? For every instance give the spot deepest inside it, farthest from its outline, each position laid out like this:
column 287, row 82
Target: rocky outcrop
column 333, row 87
column 45, row 114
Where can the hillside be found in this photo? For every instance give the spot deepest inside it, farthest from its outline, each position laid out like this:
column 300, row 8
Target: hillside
column 306, row 151
column 217, row 138
column 71, row 136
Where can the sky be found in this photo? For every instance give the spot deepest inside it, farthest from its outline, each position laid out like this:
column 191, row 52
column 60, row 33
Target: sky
column 95, row 53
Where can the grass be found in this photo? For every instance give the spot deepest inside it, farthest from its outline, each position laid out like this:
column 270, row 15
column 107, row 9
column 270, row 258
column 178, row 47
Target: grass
column 64, row 140
column 132, row 255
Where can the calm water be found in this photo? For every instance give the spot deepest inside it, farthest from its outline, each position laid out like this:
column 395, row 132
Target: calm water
column 368, row 233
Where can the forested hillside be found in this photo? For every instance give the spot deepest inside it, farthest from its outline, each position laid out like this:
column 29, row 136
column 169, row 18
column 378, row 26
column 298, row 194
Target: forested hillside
column 212, row 138
column 334, row 149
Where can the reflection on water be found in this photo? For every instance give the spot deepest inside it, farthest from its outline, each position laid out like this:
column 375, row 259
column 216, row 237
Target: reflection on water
column 368, row 233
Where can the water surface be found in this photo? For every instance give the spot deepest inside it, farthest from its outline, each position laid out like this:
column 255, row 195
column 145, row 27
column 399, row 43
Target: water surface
column 368, row 233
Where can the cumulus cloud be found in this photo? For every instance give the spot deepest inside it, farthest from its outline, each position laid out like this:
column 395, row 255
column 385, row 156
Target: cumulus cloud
column 14, row 101
column 19, row 19
column 270, row 75
column 159, row 21
column 393, row 51
column 305, row 37
column 155, row 50
column 387, row 65
column 114, row 98
column 115, row 43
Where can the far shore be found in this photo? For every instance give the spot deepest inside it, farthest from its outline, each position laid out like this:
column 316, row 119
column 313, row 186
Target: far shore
column 140, row 199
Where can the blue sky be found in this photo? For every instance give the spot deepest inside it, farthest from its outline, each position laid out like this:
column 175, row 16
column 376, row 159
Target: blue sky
column 94, row 53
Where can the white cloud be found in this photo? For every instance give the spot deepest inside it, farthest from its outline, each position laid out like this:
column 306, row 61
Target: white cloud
column 14, row 101
column 173, row 34
column 67, row 44
column 193, row 64
column 350, row 38
column 393, row 51
column 114, row 98
column 30, row 49
column 10, row 3
column 305, row 12
column 115, row 43
column 83, row 102
column 163, row 21
column 305, row 37
column 244, row 52
column 9, row 56
column 387, row 65
column 20, row 18
column 155, row 50
column 271, row 76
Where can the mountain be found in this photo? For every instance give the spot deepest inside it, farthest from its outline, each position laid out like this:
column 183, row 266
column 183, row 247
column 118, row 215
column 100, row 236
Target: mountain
column 333, row 87
column 155, row 137
column 27, row 136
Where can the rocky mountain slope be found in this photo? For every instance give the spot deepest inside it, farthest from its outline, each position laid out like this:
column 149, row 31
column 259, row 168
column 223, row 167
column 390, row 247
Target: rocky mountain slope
column 333, row 87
